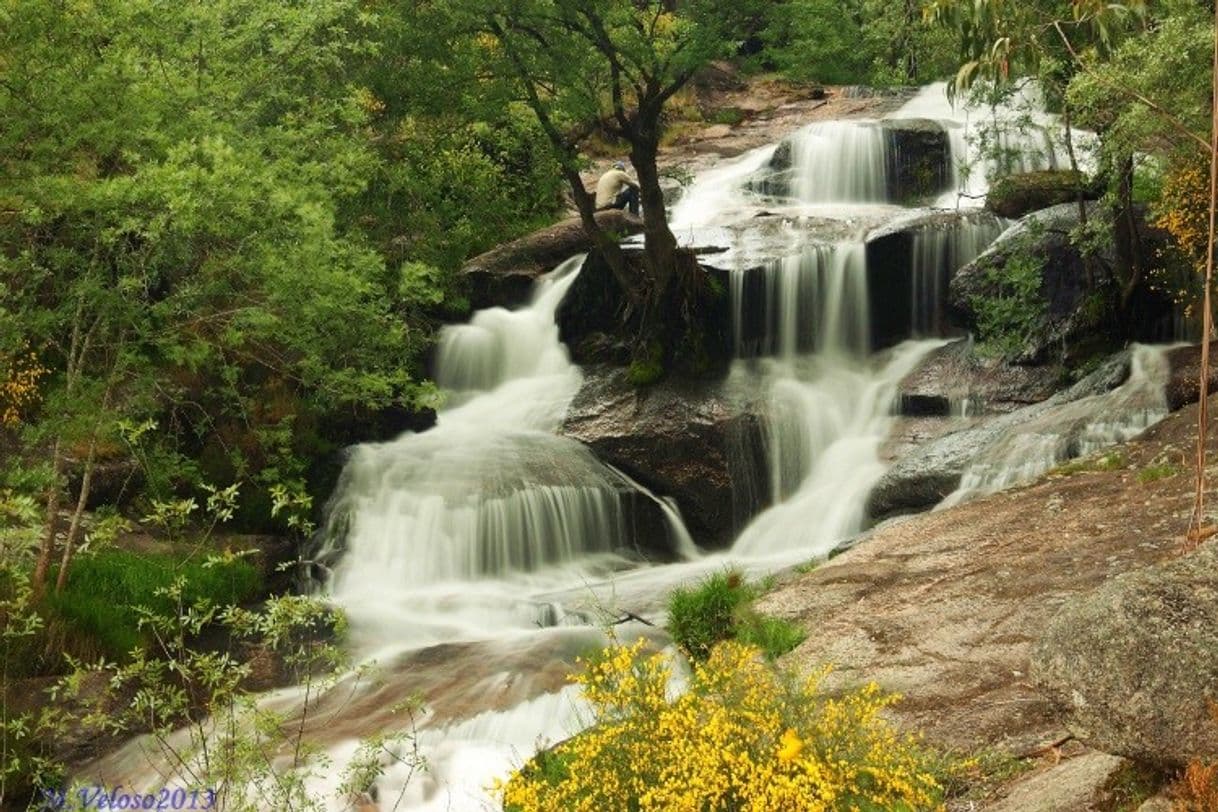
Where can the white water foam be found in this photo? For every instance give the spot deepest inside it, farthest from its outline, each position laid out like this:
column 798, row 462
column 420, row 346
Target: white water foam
column 1075, row 429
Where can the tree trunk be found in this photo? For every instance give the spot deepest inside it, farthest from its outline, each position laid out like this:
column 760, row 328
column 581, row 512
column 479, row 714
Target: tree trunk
column 47, row 549
column 660, row 245
column 634, row 286
column 1131, row 261
column 82, row 499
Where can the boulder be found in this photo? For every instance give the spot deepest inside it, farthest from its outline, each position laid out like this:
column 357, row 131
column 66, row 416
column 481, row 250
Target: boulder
column 1133, row 666
column 1068, row 320
column 1076, row 783
column 1184, row 386
column 699, row 442
column 954, row 379
column 922, row 478
column 689, row 334
column 504, row 275
column 919, row 159
column 1016, row 195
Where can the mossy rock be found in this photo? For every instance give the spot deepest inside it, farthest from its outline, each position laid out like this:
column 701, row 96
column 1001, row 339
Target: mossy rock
column 1016, row 195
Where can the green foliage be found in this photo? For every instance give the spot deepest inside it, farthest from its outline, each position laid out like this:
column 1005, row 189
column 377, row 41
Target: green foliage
column 727, row 115
column 819, row 40
column 648, row 368
column 857, row 42
column 1004, row 40
column 104, row 593
column 774, row 636
column 1015, row 307
column 718, row 609
column 1153, row 473
column 1108, row 461
column 225, row 226
column 203, row 722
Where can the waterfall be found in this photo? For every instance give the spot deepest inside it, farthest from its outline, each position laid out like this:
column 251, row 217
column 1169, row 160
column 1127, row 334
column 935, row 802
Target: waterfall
column 432, row 529
column 938, row 252
column 829, row 420
column 472, row 559
column 840, row 162
column 1015, row 136
column 1062, row 432
column 815, row 300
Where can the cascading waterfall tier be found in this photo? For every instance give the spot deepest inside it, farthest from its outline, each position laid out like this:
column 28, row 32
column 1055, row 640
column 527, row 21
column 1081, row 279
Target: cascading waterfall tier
column 814, row 301
column 1015, row 135
column 840, row 162
column 938, row 251
column 1062, row 432
column 434, row 526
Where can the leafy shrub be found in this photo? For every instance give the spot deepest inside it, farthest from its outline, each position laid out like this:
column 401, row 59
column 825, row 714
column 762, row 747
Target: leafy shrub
column 1006, row 319
column 720, row 609
column 1196, row 790
column 101, row 599
column 744, row 737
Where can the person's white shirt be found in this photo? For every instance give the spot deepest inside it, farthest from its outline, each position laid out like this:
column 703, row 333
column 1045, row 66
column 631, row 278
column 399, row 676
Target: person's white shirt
column 610, row 186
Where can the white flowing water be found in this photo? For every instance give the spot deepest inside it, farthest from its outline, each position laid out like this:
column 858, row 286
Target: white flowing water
column 987, row 141
column 938, row 251
column 475, row 559
column 1075, row 429
column 840, row 162
column 815, row 300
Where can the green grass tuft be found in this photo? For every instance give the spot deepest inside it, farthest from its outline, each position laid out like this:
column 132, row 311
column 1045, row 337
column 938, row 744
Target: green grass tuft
column 773, row 635
column 701, row 616
column 103, row 590
column 720, row 608
column 1111, row 461
column 1153, row 473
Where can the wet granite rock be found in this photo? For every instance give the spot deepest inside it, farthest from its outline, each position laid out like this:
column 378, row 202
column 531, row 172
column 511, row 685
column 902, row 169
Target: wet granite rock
column 699, row 442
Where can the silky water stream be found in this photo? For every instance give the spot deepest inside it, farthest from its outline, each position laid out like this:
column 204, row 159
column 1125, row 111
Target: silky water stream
column 477, row 559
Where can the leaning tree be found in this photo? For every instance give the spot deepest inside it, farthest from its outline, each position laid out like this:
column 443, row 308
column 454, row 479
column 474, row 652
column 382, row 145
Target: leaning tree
column 584, row 66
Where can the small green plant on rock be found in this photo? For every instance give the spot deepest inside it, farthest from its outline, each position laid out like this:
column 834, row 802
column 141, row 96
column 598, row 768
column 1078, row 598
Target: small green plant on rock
column 1015, row 310
column 719, row 609
column 1153, row 473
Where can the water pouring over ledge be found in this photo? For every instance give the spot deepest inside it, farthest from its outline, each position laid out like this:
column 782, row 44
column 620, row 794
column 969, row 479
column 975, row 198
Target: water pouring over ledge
column 473, row 558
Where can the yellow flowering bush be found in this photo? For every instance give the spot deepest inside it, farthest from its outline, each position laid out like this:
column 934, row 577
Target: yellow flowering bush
column 743, row 736
column 20, row 374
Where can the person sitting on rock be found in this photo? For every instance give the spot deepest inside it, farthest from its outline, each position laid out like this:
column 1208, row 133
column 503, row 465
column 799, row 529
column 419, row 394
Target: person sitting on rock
column 615, row 190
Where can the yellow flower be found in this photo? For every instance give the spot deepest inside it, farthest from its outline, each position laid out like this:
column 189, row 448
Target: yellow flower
column 789, row 746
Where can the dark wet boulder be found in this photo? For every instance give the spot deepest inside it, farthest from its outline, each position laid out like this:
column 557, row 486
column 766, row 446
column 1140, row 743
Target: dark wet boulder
column 689, row 334
column 1133, row 666
column 919, row 159
column 1032, row 298
column 954, row 379
column 1016, row 195
column 504, row 275
column 1184, row 385
column 699, row 442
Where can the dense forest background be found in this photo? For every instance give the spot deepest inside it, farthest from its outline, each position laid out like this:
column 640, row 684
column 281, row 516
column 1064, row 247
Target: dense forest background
column 230, row 231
